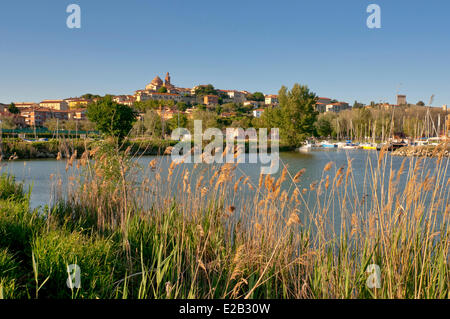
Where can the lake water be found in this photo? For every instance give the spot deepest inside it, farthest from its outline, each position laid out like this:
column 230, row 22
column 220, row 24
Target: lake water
column 42, row 174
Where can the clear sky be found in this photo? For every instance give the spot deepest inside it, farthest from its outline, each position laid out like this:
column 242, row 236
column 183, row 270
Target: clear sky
column 253, row 45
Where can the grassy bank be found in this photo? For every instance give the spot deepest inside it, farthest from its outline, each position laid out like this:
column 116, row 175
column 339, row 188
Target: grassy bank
column 132, row 238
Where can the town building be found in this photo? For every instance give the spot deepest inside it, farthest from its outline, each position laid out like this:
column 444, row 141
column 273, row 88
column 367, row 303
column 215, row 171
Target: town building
column 271, row 100
column 210, row 100
column 321, row 104
column 233, row 96
column 168, row 113
column 36, row 116
column 76, row 114
column 76, row 102
column 258, row 113
column 401, row 100
column 124, row 99
column 337, row 107
column 143, row 95
column 190, row 113
column 184, row 91
column 252, row 103
column 447, row 119
column 55, row 104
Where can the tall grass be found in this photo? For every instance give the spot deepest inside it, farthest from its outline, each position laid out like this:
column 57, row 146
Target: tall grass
column 201, row 231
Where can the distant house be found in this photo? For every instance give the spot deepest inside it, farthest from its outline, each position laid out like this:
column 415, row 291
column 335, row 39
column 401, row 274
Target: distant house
column 55, row 104
column 184, row 91
column 124, row 99
column 271, row 100
column 258, row 113
column 36, row 116
column 142, row 95
column 76, row 102
column 321, row 105
column 210, row 100
column 76, row 114
column 401, row 100
column 252, row 103
column 337, row 107
column 234, row 96
column 167, row 113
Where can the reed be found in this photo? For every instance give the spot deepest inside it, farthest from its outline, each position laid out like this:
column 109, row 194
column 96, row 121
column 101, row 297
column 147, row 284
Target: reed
column 172, row 230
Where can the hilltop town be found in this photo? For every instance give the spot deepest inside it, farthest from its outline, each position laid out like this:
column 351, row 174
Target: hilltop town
column 169, row 100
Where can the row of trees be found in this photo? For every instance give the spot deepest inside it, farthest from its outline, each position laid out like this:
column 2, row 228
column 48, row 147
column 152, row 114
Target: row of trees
column 380, row 123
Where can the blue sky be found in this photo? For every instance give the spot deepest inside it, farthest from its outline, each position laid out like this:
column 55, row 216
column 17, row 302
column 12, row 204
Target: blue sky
column 246, row 44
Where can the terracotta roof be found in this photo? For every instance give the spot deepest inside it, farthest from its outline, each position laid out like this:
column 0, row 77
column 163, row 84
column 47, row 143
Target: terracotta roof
column 157, row 93
column 52, row 101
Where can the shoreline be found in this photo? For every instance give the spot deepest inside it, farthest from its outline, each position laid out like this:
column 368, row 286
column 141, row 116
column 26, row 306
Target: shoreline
column 423, row 151
column 21, row 150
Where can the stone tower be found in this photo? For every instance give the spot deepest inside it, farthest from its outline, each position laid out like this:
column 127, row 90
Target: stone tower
column 167, row 80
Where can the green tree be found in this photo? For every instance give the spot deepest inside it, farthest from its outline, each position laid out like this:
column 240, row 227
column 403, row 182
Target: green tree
column 178, row 120
column 13, row 109
column 111, row 118
column 181, row 106
column 324, row 127
column 89, row 96
column 257, row 96
column 162, row 89
column 149, row 124
column 208, row 118
column 296, row 115
column 358, row 105
column 420, row 103
column 205, row 90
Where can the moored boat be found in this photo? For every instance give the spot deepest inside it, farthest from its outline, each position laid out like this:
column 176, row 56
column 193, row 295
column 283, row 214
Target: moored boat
column 327, row 144
column 369, row 146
